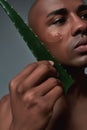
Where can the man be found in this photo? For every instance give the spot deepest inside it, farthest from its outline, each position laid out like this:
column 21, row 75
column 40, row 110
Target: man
column 36, row 100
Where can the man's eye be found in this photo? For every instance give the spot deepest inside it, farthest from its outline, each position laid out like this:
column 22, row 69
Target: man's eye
column 59, row 21
column 84, row 16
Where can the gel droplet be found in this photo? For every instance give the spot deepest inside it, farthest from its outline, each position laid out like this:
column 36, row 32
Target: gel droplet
column 85, row 70
column 55, row 38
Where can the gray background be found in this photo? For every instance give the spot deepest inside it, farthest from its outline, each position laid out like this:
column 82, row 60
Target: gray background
column 14, row 54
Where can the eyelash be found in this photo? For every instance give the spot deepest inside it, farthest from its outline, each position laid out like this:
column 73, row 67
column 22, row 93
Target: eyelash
column 84, row 16
column 59, row 21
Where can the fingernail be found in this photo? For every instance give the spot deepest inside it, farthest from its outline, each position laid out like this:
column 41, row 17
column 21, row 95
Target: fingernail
column 51, row 62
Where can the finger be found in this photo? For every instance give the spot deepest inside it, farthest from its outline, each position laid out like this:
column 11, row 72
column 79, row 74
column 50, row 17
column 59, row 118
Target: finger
column 13, row 85
column 41, row 90
column 39, row 74
column 46, row 86
column 26, row 72
column 54, row 95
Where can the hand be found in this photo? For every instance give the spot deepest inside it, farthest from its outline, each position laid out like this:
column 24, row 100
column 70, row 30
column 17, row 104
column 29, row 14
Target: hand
column 5, row 113
column 33, row 95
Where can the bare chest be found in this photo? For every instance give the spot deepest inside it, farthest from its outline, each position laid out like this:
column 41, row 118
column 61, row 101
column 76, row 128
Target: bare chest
column 77, row 116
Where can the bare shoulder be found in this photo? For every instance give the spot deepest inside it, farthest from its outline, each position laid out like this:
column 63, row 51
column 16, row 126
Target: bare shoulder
column 4, row 103
column 5, row 113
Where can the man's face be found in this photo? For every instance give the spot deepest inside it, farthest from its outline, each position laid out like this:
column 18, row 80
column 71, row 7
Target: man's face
column 62, row 26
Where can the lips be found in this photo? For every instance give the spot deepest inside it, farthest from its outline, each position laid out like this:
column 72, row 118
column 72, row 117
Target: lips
column 81, row 45
column 82, row 42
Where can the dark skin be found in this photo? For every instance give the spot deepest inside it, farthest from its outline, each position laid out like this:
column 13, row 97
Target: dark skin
column 38, row 102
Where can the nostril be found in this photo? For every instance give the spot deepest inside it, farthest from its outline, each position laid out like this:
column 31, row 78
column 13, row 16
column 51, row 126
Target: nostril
column 79, row 31
column 85, row 32
column 82, row 31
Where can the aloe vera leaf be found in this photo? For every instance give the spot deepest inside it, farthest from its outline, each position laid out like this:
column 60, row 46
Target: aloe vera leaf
column 36, row 46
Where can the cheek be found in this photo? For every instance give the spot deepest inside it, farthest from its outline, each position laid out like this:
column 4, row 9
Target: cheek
column 60, row 53
column 51, row 36
column 56, row 42
column 57, row 45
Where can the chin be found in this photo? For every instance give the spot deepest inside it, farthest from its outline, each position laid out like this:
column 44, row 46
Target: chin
column 81, row 64
column 77, row 63
column 74, row 67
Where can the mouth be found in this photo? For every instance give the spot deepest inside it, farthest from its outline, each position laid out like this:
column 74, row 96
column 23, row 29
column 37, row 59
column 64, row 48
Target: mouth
column 81, row 46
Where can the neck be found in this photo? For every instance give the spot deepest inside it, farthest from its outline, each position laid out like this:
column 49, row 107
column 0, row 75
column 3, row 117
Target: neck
column 80, row 79
column 76, row 72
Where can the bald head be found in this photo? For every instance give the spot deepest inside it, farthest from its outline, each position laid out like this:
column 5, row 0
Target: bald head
column 36, row 12
column 32, row 12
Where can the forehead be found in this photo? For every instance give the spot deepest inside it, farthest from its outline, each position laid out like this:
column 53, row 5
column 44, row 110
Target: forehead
column 49, row 5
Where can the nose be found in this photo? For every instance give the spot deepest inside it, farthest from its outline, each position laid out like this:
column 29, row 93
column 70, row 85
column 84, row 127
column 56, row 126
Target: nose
column 79, row 26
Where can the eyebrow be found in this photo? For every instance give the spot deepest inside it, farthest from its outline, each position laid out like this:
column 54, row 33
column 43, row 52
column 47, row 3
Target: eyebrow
column 82, row 8
column 58, row 11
